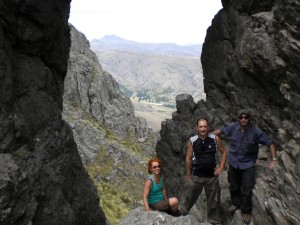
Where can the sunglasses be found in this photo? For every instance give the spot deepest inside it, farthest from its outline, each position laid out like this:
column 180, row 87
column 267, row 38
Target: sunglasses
column 155, row 167
column 244, row 117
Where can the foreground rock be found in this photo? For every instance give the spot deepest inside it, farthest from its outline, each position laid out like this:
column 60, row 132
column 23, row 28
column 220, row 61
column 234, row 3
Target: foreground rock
column 42, row 178
column 140, row 217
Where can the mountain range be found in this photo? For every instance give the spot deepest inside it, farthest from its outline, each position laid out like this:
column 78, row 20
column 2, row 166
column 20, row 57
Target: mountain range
column 152, row 74
column 113, row 42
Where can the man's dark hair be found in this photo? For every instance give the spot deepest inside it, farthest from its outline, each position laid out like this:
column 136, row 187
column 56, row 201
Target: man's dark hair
column 202, row 118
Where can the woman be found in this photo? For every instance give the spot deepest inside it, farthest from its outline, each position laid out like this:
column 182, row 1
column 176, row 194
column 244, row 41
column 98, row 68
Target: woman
column 155, row 194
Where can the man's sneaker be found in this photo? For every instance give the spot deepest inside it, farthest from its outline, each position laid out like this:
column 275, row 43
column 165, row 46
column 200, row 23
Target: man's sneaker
column 246, row 218
column 233, row 208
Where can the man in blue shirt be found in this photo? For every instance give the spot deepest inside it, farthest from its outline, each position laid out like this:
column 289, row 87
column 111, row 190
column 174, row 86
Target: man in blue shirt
column 243, row 153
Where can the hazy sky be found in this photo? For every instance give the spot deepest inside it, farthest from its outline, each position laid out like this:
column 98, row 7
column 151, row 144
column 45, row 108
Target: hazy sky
column 151, row 21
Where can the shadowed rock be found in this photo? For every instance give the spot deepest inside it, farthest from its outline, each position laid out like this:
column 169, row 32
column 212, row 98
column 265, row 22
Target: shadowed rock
column 250, row 59
column 42, row 179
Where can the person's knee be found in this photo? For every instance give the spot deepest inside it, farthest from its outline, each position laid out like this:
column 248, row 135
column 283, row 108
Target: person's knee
column 176, row 201
column 173, row 201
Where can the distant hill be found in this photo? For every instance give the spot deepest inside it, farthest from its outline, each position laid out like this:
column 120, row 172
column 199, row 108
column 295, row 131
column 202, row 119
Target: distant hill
column 112, row 42
column 152, row 73
column 152, row 77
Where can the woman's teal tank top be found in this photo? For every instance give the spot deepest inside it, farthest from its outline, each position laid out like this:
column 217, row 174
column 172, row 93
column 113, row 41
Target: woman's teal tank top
column 155, row 194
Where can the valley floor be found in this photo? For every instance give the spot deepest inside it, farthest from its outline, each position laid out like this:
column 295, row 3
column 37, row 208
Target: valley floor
column 154, row 114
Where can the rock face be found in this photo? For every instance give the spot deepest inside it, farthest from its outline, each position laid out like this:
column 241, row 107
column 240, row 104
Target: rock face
column 94, row 90
column 93, row 103
column 42, row 179
column 251, row 59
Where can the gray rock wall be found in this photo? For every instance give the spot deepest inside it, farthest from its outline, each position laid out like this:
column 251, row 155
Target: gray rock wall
column 93, row 104
column 42, row 178
column 250, row 58
column 94, row 90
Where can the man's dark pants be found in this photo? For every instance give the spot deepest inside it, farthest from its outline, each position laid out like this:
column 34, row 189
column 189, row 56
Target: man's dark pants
column 241, row 183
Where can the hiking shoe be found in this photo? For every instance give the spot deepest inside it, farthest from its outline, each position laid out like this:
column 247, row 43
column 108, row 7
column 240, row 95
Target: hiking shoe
column 246, row 218
column 233, row 208
column 176, row 214
column 183, row 211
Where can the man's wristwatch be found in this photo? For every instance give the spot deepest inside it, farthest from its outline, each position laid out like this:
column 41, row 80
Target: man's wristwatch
column 274, row 159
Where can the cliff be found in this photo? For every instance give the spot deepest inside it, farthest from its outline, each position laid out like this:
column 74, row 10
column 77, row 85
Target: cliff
column 93, row 104
column 42, row 178
column 250, row 59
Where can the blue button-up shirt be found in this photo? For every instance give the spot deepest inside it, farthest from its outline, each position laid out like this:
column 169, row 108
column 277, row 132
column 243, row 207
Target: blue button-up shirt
column 244, row 146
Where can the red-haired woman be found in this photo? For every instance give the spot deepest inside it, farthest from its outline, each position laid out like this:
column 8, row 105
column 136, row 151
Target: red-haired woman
column 155, row 193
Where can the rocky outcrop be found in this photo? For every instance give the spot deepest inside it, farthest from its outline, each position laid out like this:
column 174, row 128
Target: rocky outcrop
column 140, row 217
column 42, row 179
column 93, row 103
column 251, row 59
